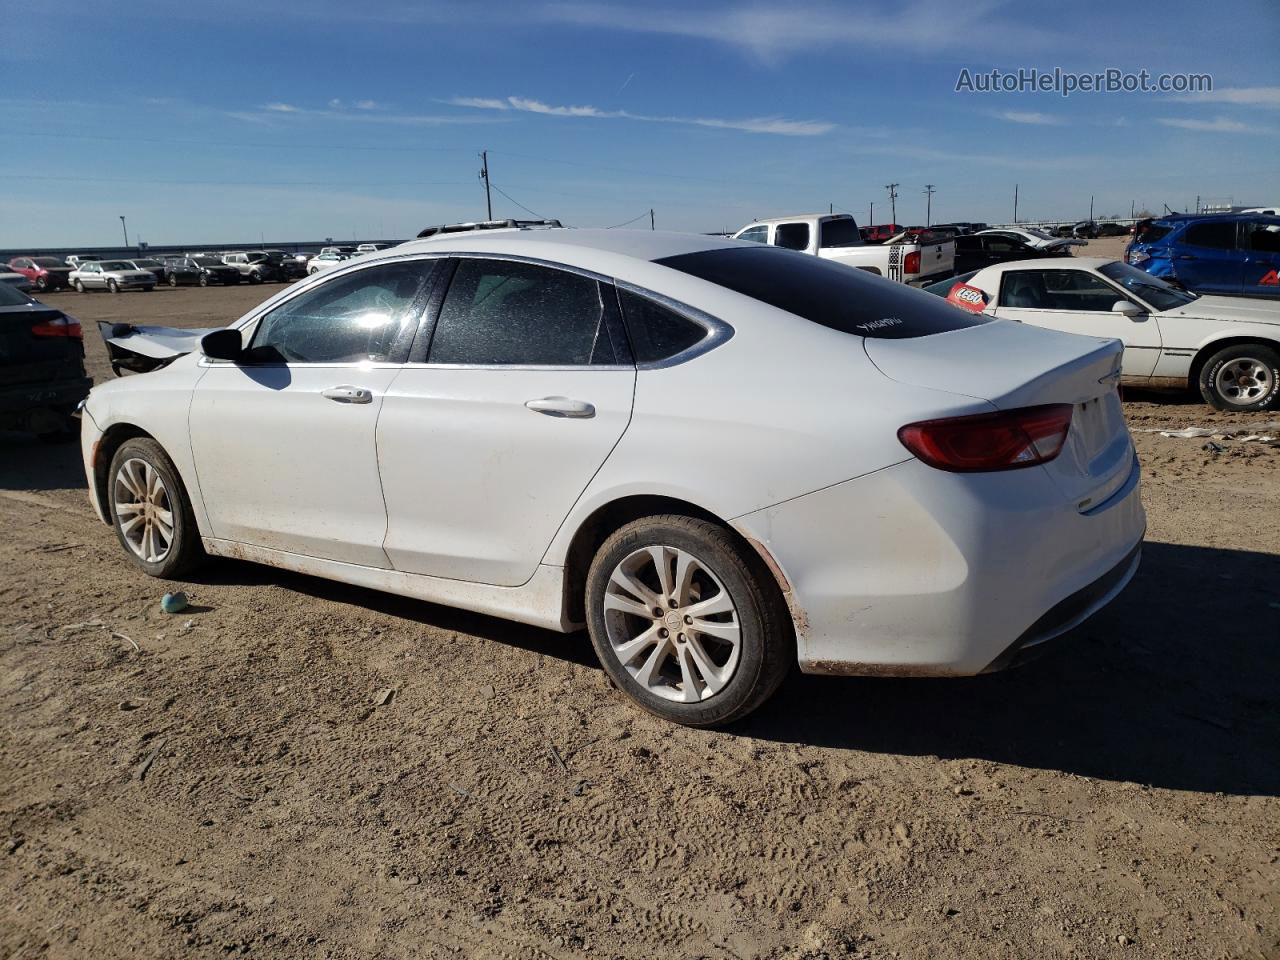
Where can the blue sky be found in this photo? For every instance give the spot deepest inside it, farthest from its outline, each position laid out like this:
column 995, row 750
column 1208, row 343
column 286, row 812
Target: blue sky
column 234, row 119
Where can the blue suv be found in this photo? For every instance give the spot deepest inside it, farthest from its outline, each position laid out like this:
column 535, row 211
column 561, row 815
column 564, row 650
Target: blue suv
column 1236, row 254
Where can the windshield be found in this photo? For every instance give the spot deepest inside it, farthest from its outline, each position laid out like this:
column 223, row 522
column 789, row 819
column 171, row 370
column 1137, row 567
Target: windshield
column 1146, row 287
column 1041, row 234
column 47, row 262
column 825, row 292
column 146, row 263
column 943, row 287
column 208, row 261
column 117, row 265
column 1151, row 233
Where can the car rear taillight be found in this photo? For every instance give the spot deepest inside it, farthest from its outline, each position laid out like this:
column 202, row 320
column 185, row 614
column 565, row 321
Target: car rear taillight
column 57, row 327
column 1008, row 440
column 912, row 263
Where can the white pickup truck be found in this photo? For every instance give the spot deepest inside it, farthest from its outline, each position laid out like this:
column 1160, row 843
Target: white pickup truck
column 836, row 237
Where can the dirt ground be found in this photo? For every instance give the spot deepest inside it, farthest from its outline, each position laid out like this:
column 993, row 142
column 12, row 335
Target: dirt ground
column 295, row 769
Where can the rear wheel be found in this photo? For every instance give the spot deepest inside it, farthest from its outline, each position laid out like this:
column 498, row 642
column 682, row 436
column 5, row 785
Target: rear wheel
column 1242, row 377
column 685, row 621
column 79, row 287
column 150, row 510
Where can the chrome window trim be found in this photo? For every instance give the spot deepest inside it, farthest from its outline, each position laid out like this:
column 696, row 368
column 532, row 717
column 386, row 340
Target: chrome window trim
column 718, row 331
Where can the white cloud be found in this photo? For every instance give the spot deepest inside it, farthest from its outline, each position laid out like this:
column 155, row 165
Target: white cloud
column 1029, row 116
column 1243, row 96
column 281, row 108
column 365, row 110
column 1216, row 125
column 778, row 126
column 770, row 30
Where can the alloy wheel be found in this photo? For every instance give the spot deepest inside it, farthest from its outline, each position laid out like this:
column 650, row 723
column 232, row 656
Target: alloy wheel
column 144, row 510
column 672, row 624
column 1243, row 380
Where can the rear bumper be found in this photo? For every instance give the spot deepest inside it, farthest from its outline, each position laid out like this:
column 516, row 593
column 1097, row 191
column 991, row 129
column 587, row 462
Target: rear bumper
column 27, row 406
column 911, row 571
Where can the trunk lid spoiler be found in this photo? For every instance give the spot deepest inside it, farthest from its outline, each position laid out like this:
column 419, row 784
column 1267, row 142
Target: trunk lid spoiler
column 141, row 349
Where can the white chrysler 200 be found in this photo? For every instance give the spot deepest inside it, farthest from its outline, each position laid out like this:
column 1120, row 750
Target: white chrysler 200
column 721, row 457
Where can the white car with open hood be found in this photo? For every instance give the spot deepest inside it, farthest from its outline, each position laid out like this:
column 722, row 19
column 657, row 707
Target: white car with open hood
column 721, row 457
column 1227, row 347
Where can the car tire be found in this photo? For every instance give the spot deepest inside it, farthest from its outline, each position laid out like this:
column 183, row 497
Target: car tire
column 204, row 279
column 113, row 286
column 143, row 486
column 648, row 639
column 42, row 284
column 79, row 287
column 1242, row 378
column 255, row 278
column 173, row 280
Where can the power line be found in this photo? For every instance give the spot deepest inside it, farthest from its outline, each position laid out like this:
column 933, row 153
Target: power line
column 516, row 202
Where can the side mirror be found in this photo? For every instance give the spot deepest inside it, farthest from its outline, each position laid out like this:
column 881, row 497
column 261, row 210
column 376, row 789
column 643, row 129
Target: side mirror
column 1126, row 308
column 222, row 345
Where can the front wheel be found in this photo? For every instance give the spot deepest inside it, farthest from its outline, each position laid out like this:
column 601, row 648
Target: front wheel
column 42, row 284
column 150, row 510
column 1242, row 378
column 113, row 286
column 686, row 621
column 255, row 278
column 204, row 279
column 173, row 280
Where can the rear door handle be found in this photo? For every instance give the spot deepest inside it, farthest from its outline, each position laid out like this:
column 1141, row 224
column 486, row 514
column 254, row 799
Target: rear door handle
column 561, row 407
column 349, row 394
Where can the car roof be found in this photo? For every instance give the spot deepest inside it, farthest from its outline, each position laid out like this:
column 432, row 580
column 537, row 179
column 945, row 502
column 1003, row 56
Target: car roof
column 800, row 216
column 579, row 247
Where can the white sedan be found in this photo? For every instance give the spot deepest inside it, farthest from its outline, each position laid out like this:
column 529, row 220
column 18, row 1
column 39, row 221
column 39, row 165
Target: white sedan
column 113, row 275
column 1227, row 347
column 324, row 260
column 1035, row 238
column 721, row 457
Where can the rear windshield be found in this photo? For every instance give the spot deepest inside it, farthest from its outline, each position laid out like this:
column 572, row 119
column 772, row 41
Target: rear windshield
column 827, row 293
column 1151, row 233
column 10, row 296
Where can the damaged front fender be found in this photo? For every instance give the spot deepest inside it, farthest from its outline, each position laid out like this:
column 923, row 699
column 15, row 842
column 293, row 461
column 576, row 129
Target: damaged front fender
column 142, row 349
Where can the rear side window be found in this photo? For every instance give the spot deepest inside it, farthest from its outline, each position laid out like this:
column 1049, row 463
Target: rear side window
column 1218, row 236
column 791, row 236
column 1264, row 237
column 501, row 312
column 657, row 333
column 825, row 292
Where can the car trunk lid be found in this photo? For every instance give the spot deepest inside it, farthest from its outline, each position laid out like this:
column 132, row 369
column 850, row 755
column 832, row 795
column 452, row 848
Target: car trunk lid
column 30, row 357
column 1011, row 365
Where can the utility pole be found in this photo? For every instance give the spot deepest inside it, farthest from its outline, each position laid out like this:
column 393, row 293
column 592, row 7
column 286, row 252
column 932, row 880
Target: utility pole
column 125, row 228
column 871, row 214
column 1197, row 203
column 893, row 200
column 651, row 226
column 1130, row 209
column 1015, row 203
column 1090, row 206
column 928, row 204
column 484, row 175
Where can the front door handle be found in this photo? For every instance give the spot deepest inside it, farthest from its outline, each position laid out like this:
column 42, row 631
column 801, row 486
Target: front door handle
column 562, row 407
column 349, row 394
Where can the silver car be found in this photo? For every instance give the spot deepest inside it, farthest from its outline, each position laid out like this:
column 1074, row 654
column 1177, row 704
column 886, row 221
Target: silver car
column 113, row 275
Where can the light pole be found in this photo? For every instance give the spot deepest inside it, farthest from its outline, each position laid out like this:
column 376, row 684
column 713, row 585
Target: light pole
column 125, row 228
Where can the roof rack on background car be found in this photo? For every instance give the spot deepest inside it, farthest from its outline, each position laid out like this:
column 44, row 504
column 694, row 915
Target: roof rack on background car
column 487, row 225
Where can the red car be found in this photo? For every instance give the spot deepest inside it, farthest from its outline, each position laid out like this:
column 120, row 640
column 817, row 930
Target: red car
column 45, row 273
column 880, row 232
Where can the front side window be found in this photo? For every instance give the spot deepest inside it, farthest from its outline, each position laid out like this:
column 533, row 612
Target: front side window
column 1217, row 236
column 353, row 318
column 791, row 236
column 1056, row 290
column 502, row 312
column 657, row 333
column 755, row 234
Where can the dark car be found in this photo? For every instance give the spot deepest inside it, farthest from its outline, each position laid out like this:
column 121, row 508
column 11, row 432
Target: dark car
column 200, row 270
column 293, row 267
column 45, row 273
column 256, row 266
column 976, row 252
column 154, row 266
column 1233, row 254
column 42, row 378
